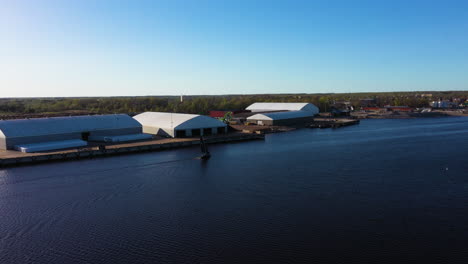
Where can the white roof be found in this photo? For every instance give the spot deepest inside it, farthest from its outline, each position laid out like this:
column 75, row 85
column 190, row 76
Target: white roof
column 60, row 125
column 281, row 115
column 282, row 107
column 177, row 121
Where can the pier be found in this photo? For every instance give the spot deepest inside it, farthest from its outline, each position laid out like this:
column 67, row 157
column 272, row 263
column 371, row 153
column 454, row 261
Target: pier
column 14, row 158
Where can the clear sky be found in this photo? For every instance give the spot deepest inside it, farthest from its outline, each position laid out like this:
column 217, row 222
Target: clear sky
column 159, row 47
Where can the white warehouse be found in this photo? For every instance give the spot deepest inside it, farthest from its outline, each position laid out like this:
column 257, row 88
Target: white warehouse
column 275, row 107
column 282, row 118
column 179, row 125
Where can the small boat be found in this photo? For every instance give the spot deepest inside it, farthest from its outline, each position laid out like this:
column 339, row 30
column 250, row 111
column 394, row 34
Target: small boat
column 204, row 149
column 205, row 156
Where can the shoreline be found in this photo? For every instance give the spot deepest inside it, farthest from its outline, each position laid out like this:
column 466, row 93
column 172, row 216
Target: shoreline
column 9, row 158
column 14, row 158
column 406, row 115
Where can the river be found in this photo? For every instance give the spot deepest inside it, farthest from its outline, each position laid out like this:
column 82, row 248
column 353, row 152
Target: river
column 384, row 188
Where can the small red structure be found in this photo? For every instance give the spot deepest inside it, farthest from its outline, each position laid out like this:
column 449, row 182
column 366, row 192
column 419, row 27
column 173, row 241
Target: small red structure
column 399, row 108
column 221, row 113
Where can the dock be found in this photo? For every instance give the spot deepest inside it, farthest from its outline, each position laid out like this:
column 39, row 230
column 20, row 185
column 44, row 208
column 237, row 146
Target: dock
column 333, row 123
column 16, row 158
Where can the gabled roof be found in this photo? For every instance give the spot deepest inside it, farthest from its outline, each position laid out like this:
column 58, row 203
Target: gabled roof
column 60, row 125
column 177, row 121
column 281, row 115
column 282, row 107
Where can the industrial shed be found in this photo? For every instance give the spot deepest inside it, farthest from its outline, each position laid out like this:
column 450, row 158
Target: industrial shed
column 179, row 125
column 41, row 134
column 273, row 107
column 282, row 118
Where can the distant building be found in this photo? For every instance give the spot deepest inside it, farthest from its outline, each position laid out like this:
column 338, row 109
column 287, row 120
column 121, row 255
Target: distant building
column 281, row 113
column 282, row 118
column 399, row 108
column 441, row 104
column 373, row 109
column 368, row 102
column 339, row 112
column 179, row 125
column 341, row 108
column 266, row 107
column 42, row 134
column 222, row 113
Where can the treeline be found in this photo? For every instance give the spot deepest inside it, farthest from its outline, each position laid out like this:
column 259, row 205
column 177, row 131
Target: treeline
column 203, row 104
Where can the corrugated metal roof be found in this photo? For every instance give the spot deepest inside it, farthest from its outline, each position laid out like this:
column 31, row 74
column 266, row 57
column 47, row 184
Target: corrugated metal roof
column 177, row 121
column 61, row 125
column 281, row 115
column 255, row 107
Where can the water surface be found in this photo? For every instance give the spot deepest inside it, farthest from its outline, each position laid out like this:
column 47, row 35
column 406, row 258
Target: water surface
column 385, row 189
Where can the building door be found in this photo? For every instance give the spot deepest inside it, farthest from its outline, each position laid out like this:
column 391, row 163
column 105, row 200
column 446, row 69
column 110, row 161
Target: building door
column 221, row 130
column 85, row 136
column 180, row 133
column 207, row 131
column 195, row 132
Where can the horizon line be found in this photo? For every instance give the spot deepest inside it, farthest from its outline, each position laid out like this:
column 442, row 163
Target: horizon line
column 244, row 94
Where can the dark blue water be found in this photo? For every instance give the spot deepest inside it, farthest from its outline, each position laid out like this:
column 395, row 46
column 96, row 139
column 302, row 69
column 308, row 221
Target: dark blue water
column 383, row 190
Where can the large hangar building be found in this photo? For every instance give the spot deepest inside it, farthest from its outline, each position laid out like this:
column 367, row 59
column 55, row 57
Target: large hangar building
column 179, row 125
column 282, row 118
column 42, row 134
column 275, row 107
column 282, row 114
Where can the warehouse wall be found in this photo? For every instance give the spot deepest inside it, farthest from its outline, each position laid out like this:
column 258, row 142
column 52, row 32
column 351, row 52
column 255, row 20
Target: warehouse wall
column 285, row 122
column 164, row 132
column 11, row 142
column 3, row 144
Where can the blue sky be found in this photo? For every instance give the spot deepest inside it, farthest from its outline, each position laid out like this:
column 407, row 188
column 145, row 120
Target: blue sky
column 109, row 48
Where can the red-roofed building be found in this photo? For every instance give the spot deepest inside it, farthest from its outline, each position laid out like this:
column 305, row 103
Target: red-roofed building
column 399, row 108
column 373, row 109
column 221, row 113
